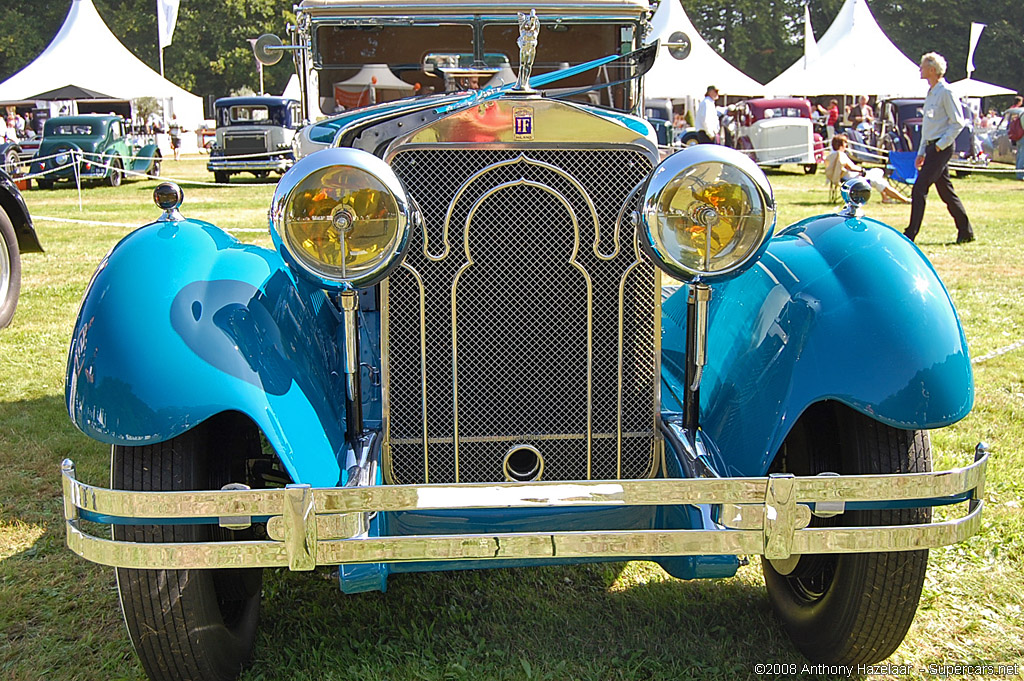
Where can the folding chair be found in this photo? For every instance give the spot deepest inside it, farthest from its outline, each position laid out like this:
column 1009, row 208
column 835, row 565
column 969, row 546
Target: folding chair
column 901, row 170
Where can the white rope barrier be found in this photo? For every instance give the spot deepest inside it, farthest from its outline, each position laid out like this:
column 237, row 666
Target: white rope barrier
column 996, row 353
column 101, row 223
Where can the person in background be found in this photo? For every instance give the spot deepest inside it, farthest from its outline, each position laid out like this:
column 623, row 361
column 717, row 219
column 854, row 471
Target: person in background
column 174, row 129
column 838, row 166
column 832, row 120
column 707, row 117
column 942, row 122
column 862, row 113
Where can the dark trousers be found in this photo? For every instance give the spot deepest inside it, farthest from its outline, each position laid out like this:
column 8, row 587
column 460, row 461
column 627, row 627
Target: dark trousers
column 936, row 171
column 704, row 138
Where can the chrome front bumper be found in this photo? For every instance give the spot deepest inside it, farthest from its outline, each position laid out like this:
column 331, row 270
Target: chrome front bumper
column 275, row 164
column 329, row 526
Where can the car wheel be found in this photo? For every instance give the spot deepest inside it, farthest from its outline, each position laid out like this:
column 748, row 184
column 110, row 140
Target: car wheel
column 154, row 171
column 114, row 178
column 810, row 168
column 189, row 624
column 44, row 184
column 221, row 177
column 261, row 174
column 852, row 608
column 688, row 140
column 10, row 270
column 12, row 161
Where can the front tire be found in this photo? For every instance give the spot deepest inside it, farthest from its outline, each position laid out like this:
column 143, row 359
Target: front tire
column 10, row 270
column 810, row 168
column 114, row 178
column 189, row 624
column 221, row 177
column 852, row 608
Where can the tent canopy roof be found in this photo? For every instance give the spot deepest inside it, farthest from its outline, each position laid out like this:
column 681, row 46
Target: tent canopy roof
column 678, row 78
column 969, row 87
column 855, row 57
column 85, row 53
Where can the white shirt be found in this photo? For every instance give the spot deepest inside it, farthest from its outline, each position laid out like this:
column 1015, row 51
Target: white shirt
column 707, row 117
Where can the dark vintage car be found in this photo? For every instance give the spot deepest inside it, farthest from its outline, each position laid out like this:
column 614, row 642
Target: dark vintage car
column 900, row 130
column 254, row 135
column 463, row 352
column 91, row 147
column 17, row 236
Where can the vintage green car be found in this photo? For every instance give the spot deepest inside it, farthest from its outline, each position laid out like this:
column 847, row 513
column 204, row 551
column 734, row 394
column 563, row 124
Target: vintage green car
column 92, row 147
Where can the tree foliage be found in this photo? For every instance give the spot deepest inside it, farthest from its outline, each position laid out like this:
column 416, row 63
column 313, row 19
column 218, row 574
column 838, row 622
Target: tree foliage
column 211, row 55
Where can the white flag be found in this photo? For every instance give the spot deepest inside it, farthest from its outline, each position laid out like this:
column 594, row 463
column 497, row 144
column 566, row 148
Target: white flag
column 810, row 45
column 976, row 30
column 166, row 18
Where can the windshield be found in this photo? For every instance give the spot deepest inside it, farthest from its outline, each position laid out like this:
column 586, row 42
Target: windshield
column 254, row 114
column 364, row 65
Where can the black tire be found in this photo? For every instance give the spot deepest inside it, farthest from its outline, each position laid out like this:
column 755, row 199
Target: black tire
column 10, row 270
column 852, row 608
column 190, row 624
column 810, row 168
column 221, row 177
column 688, row 140
column 155, row 169
column 261, row 174
column 12, row 161
column 44, row 184
column 114, row 178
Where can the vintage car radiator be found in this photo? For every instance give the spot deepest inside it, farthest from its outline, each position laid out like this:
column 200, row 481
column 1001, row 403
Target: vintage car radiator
column 523, row 315
column 242, row 143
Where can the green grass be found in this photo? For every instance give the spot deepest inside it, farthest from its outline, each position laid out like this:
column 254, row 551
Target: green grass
column 59, row 615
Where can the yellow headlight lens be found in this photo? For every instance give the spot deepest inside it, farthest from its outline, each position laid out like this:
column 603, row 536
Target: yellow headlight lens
column 343, row 223
column 710, row 218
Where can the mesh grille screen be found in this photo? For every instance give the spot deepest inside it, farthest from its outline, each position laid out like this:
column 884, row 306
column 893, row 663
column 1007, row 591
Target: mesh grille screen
column 519, row 342
column 244, row 143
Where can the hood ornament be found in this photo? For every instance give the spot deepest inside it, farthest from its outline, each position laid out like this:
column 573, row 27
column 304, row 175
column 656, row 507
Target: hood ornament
column 529, row 28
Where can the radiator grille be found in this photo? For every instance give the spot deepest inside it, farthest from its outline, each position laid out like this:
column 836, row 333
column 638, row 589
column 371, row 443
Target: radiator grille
column 238, row 144
column 518, row 342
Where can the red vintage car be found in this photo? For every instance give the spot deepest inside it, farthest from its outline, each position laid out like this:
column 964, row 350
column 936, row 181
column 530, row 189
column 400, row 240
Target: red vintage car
column 774, row 132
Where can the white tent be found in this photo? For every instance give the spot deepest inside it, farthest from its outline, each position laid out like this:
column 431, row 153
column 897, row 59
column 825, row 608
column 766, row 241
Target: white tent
column 672, row 78
column 969, row 87
column 86, row 54
column 855, row 58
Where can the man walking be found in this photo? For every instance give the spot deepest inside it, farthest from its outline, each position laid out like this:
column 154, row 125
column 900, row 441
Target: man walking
column 942, row 122
column 707, row 117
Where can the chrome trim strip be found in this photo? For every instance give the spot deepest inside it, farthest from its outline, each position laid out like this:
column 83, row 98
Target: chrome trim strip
column 590, row 307
column 517, row 438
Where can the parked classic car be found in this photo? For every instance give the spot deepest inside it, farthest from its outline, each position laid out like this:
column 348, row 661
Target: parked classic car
column 999, row 146
column 460, row 355
column 778, row 131
column 17, row 236
column 254, row 134
column 900, row 130
column 92, row 147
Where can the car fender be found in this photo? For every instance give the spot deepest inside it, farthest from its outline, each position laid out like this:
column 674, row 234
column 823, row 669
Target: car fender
column 144, row 159
column 13, row 203
column 182, row 322
column 843, row 309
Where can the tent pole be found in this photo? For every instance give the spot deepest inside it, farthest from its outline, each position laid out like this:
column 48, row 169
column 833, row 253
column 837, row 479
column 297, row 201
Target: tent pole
column 161, row 62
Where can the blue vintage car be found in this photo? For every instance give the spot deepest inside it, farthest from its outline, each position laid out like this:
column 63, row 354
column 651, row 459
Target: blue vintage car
column 254, row 134
column 91, row 147
column 466, row 350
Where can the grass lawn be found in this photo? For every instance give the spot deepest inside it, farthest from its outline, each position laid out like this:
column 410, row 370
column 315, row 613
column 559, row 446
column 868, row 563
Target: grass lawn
column 59, row 615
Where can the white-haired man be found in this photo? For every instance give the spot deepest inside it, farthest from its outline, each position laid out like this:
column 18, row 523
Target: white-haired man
column 942, row 122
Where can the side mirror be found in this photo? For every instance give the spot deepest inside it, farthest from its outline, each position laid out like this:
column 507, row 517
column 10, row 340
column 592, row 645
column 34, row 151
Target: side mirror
column 268, row 49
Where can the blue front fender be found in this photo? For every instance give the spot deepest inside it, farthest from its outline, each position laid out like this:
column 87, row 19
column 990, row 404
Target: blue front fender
column 843, row 309
column 181, row 321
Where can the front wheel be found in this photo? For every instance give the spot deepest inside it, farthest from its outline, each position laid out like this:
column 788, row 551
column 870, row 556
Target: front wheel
column 114, row 178
column 154, row 171
column 10, row 270
column 810, row 168
column 189, row 624
column 221, row 177
column 852, row 608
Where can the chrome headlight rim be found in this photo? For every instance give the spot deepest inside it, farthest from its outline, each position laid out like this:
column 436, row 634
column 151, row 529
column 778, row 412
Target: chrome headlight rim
column 359, row 160
column 674, row 166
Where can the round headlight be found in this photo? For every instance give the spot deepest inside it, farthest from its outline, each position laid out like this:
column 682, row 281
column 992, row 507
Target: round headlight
column 708, row 212
column 341, row 216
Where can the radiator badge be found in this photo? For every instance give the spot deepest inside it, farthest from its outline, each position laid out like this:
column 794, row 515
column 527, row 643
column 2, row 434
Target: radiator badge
column 522, row 118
